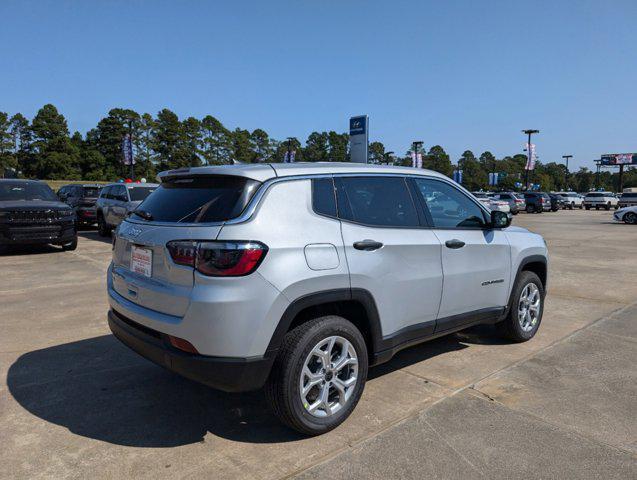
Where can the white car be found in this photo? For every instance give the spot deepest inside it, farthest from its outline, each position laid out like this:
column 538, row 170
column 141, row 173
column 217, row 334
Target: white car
column 486, row 199
column 626, row 215
column 572, row 200
column 600, row 200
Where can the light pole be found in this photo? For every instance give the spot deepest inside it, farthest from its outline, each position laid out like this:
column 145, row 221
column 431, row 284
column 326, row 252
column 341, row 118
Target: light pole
column 528, row 152
column 566, row 157
column 416, row 145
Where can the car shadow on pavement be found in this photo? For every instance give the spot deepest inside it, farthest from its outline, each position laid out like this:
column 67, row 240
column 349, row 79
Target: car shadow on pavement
column 16, row 250
column 98, row 388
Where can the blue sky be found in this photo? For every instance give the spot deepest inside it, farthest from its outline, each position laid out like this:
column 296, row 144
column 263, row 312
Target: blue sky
column 462, row 74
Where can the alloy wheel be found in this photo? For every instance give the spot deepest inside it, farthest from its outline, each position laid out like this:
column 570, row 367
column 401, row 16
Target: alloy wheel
column 329, row 376
column 529, row 307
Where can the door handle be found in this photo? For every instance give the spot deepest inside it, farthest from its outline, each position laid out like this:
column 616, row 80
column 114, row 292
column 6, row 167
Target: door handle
column 455, row 243
column 367, row 245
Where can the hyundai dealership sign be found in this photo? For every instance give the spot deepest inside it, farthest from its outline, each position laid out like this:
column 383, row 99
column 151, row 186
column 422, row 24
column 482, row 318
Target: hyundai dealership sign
column 358, row 138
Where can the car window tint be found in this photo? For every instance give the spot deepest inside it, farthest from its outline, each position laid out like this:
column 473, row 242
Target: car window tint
column 378, row 201
column 323, row 197
column 448, row 206
column 137, row 194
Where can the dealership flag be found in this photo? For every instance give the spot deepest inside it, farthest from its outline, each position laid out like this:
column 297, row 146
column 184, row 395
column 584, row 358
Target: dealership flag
column 127, row 150
column 530, row 163
column 416, row 160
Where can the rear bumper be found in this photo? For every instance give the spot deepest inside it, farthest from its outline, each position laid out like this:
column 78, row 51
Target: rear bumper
column 223, row 373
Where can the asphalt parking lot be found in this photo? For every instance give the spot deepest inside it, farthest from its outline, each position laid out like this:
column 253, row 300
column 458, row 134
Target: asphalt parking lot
column 75, row 403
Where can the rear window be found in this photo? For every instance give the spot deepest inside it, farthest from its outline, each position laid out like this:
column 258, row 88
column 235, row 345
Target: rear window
column 137, row 194
column 91, row 192
column 590, row 195
column 198, row 199
column 629, row 195
column 323, row 198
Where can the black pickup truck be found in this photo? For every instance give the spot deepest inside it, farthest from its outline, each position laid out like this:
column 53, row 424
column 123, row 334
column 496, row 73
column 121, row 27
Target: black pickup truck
column 30, row 213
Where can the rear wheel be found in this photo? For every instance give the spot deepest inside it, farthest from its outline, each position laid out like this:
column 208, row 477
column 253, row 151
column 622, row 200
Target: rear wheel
column 572, row 206
column 525, row 309
column 631, row 218
column 530, row 209
column 103, row 230
column 318, row 375
column 587, row 207
column 607, row 207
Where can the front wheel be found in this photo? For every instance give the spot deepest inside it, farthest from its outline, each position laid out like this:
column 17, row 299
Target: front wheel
column 631, row 218
column 607, row 207
column 525, row 309
column 72, row 245
column 318, row 375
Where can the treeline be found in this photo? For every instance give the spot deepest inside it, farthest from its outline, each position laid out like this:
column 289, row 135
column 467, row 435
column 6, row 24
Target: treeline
column 44, row 148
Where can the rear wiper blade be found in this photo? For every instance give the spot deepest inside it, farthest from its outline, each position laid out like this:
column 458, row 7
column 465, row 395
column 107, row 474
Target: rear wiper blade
column 144, row 214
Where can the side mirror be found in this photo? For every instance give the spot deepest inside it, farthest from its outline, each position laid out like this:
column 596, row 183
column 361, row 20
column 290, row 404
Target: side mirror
column 500, row 219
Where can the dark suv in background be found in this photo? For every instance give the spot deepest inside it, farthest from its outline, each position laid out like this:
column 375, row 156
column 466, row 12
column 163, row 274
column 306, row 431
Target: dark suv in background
column 537, row 202
column 30, row 213
column 81, row 198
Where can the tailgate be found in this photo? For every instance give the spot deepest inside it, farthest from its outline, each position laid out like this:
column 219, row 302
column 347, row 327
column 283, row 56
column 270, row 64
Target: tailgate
column 160, row 285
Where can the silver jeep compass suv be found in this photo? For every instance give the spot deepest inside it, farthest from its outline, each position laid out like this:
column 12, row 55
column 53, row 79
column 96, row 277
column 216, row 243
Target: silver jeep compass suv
column 298, row 277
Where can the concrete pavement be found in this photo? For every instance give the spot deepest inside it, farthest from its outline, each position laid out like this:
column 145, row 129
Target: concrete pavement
column 77, row 403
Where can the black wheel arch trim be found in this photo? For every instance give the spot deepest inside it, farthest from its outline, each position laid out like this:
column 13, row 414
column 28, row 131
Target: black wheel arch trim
column 364, row 297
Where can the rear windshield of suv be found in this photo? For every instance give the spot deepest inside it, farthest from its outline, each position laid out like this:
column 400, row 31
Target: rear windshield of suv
column 198, row 199
column 596, row 195
column 90, row 192
column 137, row 194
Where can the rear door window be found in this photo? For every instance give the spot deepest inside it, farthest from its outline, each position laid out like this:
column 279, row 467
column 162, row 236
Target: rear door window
column 376, row 201
column 200, row 199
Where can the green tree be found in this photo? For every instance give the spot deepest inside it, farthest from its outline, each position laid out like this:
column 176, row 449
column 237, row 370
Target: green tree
column 107, row 138
column 337, row 144
column 438, row 160
column 376, row 153
column 55, row 156
column 143, row 142
column 173, row 142
column 261, row 146
column 240, row 146
column 7, row 156
column 22, row 142
column 316, row 147
column 473, row 175
column 217, row 144
column 281, row 149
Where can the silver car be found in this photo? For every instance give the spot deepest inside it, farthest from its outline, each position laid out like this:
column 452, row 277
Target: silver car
column 298, row 277
column 116, row 201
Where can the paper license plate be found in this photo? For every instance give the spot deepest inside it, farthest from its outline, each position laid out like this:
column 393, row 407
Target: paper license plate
column 141, row 261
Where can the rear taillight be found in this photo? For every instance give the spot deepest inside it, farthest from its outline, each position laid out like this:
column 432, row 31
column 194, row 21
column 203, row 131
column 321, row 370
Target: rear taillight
column 183, row 252
column 518, row 200
column 219, row 259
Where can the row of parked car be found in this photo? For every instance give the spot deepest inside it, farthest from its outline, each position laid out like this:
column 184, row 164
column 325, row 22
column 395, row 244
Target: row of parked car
column 30, row 212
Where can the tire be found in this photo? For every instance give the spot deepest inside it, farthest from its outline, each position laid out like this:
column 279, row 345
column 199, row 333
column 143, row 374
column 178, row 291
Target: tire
column 607, row 206
column 103, row 230
column 572, row 207
column 283, row 388
column 587, row 207
column 515, row 213
column 72, row 245
column 512, row 327
column 596, row 207
column 630, row 218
